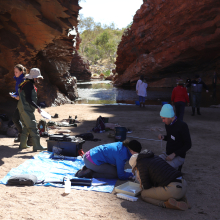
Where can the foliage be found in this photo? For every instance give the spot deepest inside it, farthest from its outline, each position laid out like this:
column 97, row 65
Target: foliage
column 99, row 42
column 107, row 73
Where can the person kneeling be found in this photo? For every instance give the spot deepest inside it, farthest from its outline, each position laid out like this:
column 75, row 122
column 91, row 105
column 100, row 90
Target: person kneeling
column 108, row 160
column 162, row 184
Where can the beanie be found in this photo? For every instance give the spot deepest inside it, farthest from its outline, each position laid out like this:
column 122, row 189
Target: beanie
column 135, row 146
column 133, row 160
column 167, row 111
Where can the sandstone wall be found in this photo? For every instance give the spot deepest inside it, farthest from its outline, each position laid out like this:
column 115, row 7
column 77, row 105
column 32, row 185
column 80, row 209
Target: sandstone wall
column 170, row 39
column 35, row 34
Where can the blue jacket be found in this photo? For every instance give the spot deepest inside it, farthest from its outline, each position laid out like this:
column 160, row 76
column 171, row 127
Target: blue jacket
column 115, row 154
column 19, row 80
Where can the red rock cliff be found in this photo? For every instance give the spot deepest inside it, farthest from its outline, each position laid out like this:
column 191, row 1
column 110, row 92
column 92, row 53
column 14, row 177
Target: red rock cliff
column 35, row 34
column 169, row 39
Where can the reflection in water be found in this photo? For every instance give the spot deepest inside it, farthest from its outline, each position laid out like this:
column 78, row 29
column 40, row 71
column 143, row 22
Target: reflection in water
column 103, row 92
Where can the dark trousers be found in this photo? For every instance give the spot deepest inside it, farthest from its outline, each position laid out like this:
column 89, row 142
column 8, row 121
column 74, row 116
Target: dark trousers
column 180, row 108
column 16, row 120
column 196, row 99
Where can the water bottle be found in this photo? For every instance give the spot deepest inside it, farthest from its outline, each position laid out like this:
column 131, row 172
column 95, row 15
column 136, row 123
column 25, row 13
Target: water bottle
column 67, row 186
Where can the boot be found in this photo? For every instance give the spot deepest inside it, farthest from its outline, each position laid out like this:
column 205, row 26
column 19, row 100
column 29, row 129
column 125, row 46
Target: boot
column 29, row 142
column 18, row 139
column 173, row 204
column 36, row 144
column 23, row 142
column 193, row 111
column 198, row 111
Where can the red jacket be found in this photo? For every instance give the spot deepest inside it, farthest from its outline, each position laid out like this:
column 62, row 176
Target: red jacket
column 179, row 94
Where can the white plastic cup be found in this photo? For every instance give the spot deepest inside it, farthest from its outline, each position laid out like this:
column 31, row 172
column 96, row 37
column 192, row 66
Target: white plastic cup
column 67, row 186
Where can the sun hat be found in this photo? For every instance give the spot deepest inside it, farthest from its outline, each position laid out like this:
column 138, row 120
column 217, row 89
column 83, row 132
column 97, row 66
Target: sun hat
column 34, row 73
column 167, row 111
column 135, row 146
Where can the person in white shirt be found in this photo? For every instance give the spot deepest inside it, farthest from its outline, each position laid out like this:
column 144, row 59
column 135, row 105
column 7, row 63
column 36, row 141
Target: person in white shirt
column 141, row 90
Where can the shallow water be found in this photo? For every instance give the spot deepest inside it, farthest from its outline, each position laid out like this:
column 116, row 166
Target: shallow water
column 103, row 92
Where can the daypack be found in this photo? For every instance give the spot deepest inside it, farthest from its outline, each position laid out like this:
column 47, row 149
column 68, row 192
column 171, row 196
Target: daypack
column 100, row 125
column 42, row 126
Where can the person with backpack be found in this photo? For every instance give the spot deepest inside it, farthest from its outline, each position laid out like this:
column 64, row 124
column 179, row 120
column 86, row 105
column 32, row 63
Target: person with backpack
column 141, row 90
column 108, row 160
column 162, row 184
column 180, row 97
column 26, row 106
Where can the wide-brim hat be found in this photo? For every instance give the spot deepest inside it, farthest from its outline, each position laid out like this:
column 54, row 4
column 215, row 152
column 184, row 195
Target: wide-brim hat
column 34, row 73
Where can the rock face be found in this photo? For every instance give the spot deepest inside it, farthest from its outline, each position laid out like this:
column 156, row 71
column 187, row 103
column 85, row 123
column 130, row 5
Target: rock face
column 35, row 34
column 170, row 39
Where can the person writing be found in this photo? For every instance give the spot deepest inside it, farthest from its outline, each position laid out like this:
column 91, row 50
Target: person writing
column 177, row 137
column 162, row 185
column 108, row 160
column 26, row 106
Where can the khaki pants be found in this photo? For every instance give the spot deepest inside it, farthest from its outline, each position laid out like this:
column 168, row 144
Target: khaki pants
column 158, row 195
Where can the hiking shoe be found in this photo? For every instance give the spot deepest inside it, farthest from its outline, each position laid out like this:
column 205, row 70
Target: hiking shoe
column 55, row 116
column 84, row 172
column 173, row 204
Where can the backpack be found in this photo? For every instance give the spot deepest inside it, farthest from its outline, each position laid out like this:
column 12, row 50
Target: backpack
column 100, row 125
column 42, row 126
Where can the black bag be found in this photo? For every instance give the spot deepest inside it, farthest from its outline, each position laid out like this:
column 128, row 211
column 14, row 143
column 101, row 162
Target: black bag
column 86, row 136
column 22, row 180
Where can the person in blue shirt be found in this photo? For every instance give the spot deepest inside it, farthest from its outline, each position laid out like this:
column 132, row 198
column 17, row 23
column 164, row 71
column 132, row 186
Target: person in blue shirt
column 19, row 72
column 108, row 160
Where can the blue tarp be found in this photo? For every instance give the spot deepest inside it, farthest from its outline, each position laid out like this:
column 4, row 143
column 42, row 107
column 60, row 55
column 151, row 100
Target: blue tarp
column 48, row 169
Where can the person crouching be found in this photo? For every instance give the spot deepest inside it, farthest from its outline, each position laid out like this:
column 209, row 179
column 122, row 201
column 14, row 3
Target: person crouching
column 162, row 184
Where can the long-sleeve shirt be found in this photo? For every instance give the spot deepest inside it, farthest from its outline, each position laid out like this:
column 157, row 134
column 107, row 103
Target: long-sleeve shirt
column 179, row 94
column 115, row 154
column 18, row 80
column 178, row 139
column 141, row 87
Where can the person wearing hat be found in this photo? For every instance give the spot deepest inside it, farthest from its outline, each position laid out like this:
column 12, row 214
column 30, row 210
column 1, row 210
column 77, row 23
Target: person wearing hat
column 177, row 137
column 179, row 97
column 26, row 106
column 162, row 185
column 108, row 160
column 196, row 93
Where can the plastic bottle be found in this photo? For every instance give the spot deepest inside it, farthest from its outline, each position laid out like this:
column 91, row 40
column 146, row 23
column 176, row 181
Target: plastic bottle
column 67, row 186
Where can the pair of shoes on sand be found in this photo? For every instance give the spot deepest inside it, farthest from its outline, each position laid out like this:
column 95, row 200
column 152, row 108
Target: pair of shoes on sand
column 174, row 204
column 84, row 172
column 55, row 116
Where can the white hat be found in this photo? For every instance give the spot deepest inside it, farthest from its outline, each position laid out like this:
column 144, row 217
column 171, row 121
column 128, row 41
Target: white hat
column 133, row 161
column 34, row 73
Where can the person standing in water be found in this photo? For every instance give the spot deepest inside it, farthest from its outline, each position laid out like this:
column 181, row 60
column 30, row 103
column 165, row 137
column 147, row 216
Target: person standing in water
column 141, row 90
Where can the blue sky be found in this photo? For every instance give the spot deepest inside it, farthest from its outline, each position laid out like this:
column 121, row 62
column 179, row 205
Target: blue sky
column 120, row 12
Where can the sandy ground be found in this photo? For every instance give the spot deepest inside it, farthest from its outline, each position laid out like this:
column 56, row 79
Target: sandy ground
column 201, row 170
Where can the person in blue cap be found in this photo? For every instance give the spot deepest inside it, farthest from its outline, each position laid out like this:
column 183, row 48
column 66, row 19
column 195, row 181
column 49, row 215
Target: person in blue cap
column 177, row 137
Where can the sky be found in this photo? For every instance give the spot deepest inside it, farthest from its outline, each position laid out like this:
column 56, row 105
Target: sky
column 120, row 12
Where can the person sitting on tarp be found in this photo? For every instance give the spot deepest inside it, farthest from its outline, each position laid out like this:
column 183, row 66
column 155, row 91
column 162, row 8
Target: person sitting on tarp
column 26, row 106
column 108, row 160
column 162, row 184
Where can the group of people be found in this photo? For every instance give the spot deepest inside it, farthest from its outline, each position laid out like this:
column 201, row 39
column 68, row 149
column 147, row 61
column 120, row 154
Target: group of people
column 180, row 94
column 160, row 176
column 23, row 118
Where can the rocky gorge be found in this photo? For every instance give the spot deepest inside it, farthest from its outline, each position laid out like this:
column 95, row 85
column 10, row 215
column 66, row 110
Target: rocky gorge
column 35, row 33
column 170, row 39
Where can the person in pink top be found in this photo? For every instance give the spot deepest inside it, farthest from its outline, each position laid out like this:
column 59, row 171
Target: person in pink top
column 179, row 98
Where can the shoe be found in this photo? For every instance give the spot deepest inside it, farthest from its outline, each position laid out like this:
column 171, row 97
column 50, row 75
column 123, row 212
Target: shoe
column 84, row 172
column 17, row 139
column 55, row 116
column 173, row 204
column 36, row 144
column 40, row 148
